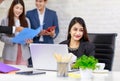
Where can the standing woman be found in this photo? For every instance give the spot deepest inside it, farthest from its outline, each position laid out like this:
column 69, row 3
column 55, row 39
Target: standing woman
column 15, row 53
column 77, row 39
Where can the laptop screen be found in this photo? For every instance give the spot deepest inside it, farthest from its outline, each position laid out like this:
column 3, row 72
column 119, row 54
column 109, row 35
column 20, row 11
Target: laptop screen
column 43, row 55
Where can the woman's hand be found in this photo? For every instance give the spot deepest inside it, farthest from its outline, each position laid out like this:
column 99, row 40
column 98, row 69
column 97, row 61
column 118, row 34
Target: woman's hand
column 28, row 41
column 18, row 29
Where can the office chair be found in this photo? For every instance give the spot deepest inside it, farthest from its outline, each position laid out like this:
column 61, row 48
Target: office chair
column 105, row 46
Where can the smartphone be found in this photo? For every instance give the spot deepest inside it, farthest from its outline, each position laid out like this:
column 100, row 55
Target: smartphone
column 30, row 72
column 50, row 28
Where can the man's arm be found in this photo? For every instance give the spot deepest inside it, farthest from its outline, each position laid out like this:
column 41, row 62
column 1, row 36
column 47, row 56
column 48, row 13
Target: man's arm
column 10, row 30
column 6, row 29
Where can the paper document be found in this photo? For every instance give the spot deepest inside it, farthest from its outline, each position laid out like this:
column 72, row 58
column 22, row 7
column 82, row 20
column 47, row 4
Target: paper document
column 4, row 68
column 26, row 34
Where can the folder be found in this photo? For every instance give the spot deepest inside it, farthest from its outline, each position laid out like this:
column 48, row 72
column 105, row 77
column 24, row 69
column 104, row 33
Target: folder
column 26, row 34
column 4, row 68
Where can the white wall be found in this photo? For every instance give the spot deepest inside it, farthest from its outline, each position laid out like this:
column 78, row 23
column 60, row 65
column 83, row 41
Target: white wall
column 101, row 16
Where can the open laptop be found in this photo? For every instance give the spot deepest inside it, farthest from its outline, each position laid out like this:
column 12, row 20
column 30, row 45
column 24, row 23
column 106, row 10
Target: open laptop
column 43, row 55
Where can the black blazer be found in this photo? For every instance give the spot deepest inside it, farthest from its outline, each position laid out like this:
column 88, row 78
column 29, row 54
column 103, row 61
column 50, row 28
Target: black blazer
column 84, row 48
column 6, row 29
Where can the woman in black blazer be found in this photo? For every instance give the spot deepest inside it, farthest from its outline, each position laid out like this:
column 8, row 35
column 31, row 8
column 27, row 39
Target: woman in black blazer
column 9, row 30
column 77, row 39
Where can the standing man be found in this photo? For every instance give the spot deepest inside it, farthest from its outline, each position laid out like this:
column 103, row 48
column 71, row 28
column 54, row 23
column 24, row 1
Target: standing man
column 43, row 17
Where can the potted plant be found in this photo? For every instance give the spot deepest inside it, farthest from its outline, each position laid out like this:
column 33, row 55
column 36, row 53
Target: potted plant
column 86, row 64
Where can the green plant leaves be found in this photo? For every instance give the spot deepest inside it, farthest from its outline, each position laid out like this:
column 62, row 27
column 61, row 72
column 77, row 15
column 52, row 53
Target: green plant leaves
column 86, row 62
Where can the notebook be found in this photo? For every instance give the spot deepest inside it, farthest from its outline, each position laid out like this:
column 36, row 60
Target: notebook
column 42, row 55
column 4, row 68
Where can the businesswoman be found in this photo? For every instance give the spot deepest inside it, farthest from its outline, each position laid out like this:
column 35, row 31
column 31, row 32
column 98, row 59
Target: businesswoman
column 15, row 53
column 77, row 38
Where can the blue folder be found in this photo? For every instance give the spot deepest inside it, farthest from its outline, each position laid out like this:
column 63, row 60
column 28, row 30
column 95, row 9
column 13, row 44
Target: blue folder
column 26, row 34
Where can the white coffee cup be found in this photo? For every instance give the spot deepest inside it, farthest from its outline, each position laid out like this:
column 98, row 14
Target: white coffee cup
column 100, row 66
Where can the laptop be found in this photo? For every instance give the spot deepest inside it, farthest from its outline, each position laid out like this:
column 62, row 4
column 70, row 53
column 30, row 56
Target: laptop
column 43, row 55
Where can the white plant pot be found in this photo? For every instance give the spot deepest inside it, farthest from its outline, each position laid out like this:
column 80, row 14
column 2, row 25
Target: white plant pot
column 86, row 74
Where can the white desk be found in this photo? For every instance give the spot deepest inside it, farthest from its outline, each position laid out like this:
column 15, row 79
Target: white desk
column 52, row 76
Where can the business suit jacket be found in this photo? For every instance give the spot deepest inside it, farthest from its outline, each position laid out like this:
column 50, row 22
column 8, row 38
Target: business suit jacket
column 84, row 48
column 6, row 29
column 10, row 48
column 50, row 19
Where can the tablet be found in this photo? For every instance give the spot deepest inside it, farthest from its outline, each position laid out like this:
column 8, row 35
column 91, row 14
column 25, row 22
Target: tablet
column 30, row 72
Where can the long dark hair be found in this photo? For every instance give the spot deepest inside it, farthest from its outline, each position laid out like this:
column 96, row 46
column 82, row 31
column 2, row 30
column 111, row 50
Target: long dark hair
column 82, row 23
column 22, row 18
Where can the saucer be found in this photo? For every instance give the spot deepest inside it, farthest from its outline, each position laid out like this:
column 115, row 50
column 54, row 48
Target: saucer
column 100, row 71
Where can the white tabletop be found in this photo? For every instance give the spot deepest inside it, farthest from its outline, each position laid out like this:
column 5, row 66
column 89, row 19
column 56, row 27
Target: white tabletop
column 52, row 76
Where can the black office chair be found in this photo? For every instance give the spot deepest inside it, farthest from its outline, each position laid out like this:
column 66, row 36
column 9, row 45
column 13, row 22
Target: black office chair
column 105, row 46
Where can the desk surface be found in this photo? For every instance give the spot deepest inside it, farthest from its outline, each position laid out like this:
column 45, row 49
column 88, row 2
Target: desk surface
column 52, row 76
